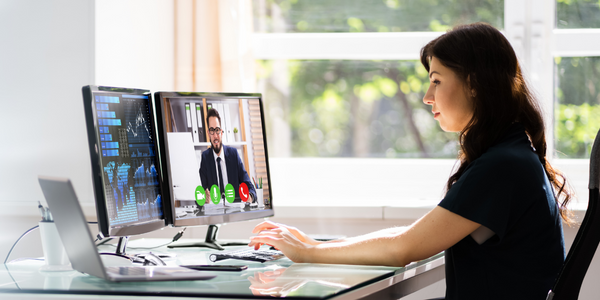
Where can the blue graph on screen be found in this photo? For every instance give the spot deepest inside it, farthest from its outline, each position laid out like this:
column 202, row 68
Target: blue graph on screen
column 132, row 192
column 122, row 207
column 145, row 174
column 141, row 150
column 138, row 125
column 132, row 187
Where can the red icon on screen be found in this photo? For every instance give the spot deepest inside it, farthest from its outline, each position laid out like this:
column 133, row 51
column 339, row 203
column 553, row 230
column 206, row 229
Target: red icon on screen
column 244, row 192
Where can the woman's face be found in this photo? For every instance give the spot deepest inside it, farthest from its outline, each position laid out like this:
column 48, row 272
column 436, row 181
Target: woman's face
column 450, row 102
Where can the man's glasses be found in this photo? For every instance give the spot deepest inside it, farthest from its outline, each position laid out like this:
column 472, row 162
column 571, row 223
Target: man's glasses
column 214, row 130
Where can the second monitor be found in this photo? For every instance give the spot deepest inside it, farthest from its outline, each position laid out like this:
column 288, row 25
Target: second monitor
column 215, row 158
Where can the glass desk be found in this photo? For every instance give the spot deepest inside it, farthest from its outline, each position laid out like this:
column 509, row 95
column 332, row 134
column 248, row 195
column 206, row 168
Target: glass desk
column 279, row 278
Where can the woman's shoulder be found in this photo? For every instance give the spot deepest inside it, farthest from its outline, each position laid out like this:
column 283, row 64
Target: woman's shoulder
column 515, row 155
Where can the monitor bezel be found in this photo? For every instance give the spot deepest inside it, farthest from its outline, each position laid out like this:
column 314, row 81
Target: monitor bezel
column 96, row 161
column 165, row 165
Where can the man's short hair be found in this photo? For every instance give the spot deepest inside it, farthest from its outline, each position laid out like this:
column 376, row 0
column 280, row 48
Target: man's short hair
column 213, row 113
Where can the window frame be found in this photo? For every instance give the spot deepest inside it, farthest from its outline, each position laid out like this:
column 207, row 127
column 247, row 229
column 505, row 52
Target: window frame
column 530, row 26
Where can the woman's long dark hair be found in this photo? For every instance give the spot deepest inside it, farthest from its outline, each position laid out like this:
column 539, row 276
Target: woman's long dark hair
column 487, row 64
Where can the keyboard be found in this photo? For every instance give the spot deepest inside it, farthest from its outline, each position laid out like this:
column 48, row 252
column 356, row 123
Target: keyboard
column 132, row 271
column 247, row 254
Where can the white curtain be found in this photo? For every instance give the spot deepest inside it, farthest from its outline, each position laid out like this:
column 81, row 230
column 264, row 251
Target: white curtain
column 213, row 47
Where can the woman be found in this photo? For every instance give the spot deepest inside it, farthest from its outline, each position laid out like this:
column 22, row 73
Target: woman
column 500, row 220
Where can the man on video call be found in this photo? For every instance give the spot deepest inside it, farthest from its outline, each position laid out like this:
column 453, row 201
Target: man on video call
column 222, row 160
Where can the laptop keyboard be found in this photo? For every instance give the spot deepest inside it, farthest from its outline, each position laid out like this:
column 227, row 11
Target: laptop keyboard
column 247, row 254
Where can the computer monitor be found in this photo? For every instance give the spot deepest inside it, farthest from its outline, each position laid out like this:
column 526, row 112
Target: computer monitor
column 190, row 162
column 125, row 170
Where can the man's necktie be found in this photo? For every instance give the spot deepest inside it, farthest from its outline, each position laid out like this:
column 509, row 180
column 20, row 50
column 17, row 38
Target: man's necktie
column 221, row 187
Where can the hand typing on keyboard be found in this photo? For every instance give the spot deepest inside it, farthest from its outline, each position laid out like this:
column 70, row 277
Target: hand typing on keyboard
column 291, row 241
column 247, row 254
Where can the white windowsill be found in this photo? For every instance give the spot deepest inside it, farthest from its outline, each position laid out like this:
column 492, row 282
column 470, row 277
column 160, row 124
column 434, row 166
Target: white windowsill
column 355, row 188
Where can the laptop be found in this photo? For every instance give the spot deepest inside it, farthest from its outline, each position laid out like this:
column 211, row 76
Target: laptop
column 81, row 249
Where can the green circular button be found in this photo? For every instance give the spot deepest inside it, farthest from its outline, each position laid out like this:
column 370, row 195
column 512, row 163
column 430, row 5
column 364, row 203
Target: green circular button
column 215, row 194
column 200, row 197
column 229, row 193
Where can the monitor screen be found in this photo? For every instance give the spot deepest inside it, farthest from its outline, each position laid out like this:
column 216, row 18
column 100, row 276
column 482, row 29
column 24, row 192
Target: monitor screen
column 125, row 170
column 216, row 168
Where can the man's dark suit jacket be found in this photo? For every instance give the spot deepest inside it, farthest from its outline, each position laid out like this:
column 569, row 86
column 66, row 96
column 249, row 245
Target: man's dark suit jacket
column 236, row 174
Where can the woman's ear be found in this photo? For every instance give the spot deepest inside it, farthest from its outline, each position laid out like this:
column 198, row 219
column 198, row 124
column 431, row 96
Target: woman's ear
column 473, row 91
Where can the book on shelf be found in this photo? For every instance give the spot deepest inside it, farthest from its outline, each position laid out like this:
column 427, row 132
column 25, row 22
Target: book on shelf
column 228, row 123
column 200, row 121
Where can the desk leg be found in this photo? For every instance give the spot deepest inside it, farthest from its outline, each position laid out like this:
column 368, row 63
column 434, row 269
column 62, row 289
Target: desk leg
column 410, row 285
column 399, row 286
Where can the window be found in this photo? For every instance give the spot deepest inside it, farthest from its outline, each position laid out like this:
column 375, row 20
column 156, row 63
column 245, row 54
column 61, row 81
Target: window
column 370, row 104
column 577, row 14
column 291, row 16
column 302, row 48
column 577, row 112
column 577, row 83
column 354, row 108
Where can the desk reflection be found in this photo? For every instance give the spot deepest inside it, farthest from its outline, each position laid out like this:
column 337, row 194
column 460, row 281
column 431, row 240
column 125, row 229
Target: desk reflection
column 300, row 279
column 280, row 278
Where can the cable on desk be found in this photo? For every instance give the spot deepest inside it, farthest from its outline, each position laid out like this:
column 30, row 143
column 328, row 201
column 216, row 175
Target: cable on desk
column 24, row 259
column 99, row 237
column 175, row 238
column 118, row 255
column 23, row 235
column 147, row 259
column 104, row 241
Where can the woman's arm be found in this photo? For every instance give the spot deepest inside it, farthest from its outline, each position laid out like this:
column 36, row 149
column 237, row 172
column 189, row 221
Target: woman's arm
column 436, row 231
column 268, row 225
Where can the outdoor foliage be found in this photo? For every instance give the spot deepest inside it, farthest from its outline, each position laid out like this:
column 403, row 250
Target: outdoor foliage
column 576, row 129
column 577, row 14
column 578, row 109
column 343, row 108
column 373, row 15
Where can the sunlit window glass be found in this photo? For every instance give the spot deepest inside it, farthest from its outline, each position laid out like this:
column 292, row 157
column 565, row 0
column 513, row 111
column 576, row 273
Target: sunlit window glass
column 577, row 112
column 372, row 15
column 577, row 14
column 342, row 108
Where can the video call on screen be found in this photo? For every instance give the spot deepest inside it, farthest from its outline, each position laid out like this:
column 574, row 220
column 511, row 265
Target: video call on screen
column 187, row 137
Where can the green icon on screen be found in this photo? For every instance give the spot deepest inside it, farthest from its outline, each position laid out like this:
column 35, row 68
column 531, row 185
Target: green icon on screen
column 229, row 193
column 215, row 194
column 200, row 197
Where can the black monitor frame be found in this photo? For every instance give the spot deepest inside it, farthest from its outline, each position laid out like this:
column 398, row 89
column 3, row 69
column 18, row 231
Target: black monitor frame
column 164, row 154
column 97, row 173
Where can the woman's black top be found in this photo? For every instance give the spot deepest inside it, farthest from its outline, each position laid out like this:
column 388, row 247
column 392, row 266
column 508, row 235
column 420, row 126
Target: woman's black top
column 507, row 191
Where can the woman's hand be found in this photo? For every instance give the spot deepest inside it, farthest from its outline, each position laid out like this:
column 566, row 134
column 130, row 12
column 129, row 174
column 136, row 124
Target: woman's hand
column 289, row 240
column 268, row 225
column 437, row 231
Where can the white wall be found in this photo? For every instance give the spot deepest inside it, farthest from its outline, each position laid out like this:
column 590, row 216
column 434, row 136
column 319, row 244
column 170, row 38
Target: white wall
column 50, row 49
column 46, row 57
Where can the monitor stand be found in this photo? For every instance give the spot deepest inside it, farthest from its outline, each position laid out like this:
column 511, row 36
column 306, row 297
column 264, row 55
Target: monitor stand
column 122, row 245
column 121, row 251
column 210, row 241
